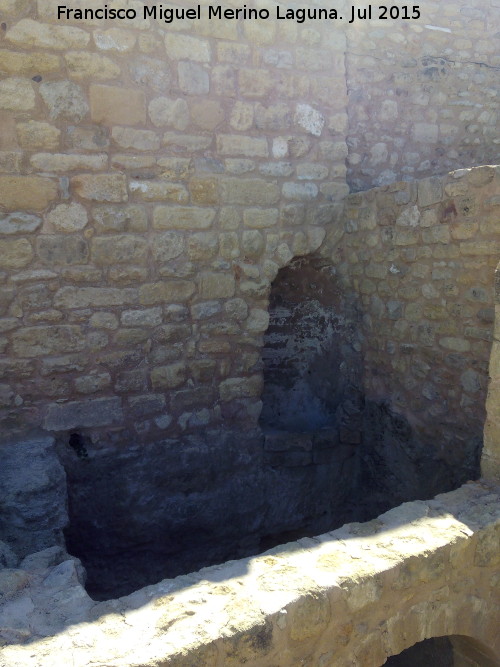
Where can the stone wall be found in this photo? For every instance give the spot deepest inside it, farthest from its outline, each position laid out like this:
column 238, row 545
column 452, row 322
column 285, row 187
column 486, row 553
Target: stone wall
column 423, row 95
column 155, row 176
column 154, row 179
column 421, row 258
column 350, row 597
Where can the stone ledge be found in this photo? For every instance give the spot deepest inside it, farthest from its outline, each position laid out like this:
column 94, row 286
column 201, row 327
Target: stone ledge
column 352, row 596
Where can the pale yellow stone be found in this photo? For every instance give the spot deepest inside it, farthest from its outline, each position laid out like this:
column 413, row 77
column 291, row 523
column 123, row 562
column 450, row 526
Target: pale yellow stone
column 207, row 115
column 115, row 105
column 115, row 39
column 159, row 191
column 15, row 253
column 26, row 192
column 16, row 95
column 185, row 47
column 29, row 33
column 166, row 112
column 141, row 140
column 64, row 162
column 100, row 187
column 179, row 217
column 82, row 64
column 29, row 64
column 38, row 134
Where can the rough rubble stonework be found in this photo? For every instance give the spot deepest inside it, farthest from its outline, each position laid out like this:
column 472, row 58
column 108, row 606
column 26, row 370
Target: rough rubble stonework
column 159, row 184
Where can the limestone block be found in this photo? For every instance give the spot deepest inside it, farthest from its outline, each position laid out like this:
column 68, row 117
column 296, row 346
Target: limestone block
column 101, row 187
column 68, row 217
column 185, row 47
column 216, row 285
column 113, row 105
column 230, row 52
column 241, row 117
column 300, row 191
column 26, row 192
column 229, row 245
column 28, row 33
column 167, row 245
column 141, row 140
column 83, row 297
column 65, row 100
column 103, row 320
column 90, row 384
column 114, row 39
column 207, row 115
column 252, row 243
column 173, row 291
column 147, row 404
column 148, row 317
column 169, row 112
column 81, row 414
column 202, row 245
column 309, row 119
column 179, row 217
column 82, row 64
column 311, row 171
column 150, row 72
column 186, row 142
column 16, row 94
column 249, row 191
column 273, row 118
column 38, row 135
column 430, row 191
column 61, row 250
column 255, row 82
column 258, row 320
column 45, row 340
column 15, row 253
column 245, row 387
column 235, row 144
column 19, row 223
column 169, row 377
column 109, row 218
column 119, row 248
column 193, row 78
column 62, row 162
column 159, row 191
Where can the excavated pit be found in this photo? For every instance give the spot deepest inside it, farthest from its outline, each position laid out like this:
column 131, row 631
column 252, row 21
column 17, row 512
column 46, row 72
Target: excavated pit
column 325, row 455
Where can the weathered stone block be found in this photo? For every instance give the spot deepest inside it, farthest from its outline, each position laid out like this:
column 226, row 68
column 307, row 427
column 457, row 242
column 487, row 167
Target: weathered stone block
column 167, row 112
column 185, row 47
column 83, row 64
column 118, row 249
column 23, row 64
column 19, row 223
column 61, row 162
column 235, row 144
column 207, row 115
column 16, row 95
column 101, row 187
column 81, row 414
column 45, row 340
column 167, row 246
column 90, row 384
column 169, row 377
column 173, row 291
column 149, row 317
column 216, row 285
column 65, row 100
column 249, row 191
column 27, row 192
column 15, row 253
column 193, row 78
column 68, row 217
column 159, row 191
column 52, row 249
column 29, row 33
column 83, row 297
column 141, row 140
column 109, row 218
column 179, row 217
column 114, row 39
column 112, row 105
column 246, row 387
column 202, row 245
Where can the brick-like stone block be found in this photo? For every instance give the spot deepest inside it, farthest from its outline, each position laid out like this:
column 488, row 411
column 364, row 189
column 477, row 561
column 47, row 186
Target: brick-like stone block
column 119, row 249
column 245, row 387
column 235, row 144
column 172, row 291
column 45, row 340
column 216, row 285
column 81, row 414
column 169, row 377
column 83, row 297
column 27, row 192
column 193, row 78
column 62, row 250
column 101, row 187
column 113, row 105
column 180, row 217
column 27, row 33
column 16, row 94
column 185, row 47
column 249, row 191
column 15, row 253
column 159, row 191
